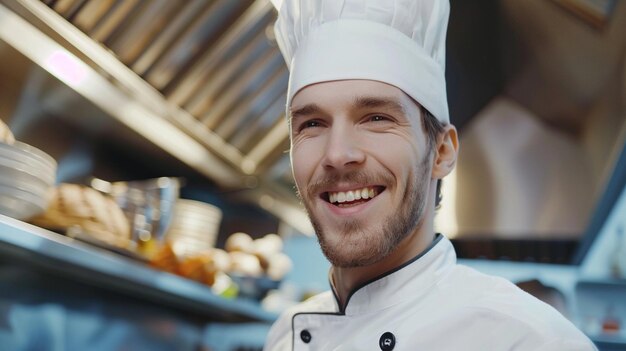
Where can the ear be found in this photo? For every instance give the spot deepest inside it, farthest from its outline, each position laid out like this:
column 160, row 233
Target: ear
column 447, row 150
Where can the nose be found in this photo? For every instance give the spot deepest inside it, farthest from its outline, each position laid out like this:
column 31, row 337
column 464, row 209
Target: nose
column 342, row 149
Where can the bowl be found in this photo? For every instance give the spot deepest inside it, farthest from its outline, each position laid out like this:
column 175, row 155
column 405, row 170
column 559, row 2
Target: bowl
column 255, row 288
column 21, row 204
column 27, row 176
column 194, row 227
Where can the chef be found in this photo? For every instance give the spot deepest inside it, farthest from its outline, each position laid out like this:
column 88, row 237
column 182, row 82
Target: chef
column 370, row 142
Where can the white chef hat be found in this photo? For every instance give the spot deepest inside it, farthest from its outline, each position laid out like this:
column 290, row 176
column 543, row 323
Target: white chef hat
column 398, row 42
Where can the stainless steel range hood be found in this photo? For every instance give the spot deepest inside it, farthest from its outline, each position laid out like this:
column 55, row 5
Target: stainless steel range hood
column 205, row 71
column 210, row 59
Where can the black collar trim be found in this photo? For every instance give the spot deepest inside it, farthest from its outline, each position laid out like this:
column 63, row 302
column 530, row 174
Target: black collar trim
column 342, row 309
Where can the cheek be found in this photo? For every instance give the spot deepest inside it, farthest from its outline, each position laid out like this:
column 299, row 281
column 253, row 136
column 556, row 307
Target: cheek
column 399, row 155
column 303, row 162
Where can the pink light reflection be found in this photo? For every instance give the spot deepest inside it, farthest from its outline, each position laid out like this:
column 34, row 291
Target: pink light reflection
column 66, row 67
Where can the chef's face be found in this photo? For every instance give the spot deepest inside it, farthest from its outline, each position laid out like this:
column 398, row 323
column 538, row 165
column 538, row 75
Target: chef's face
column 362, row 167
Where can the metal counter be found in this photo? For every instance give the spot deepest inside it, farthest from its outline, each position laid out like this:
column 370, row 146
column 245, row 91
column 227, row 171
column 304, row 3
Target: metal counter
column 25, row 244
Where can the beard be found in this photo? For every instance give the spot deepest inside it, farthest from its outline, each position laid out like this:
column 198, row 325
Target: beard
column 357, row 245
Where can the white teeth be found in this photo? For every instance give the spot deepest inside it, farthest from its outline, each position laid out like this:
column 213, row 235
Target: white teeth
column 341, row 197
column 351, row 195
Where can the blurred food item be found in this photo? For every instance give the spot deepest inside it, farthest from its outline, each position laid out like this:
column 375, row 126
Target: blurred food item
column 245, row 264
column 5, row 134
column 270, row 244
column 221, row 260
column 229, row 273
column 267, row 251
column 147, row 249
column 224, row 286
column 204, row 267
column 95, row 213
column 266, row 247
column 165, row 259
column 279, row 265
column 198, row 268
column 257, row 266
column 27, row 175
column 239, row 242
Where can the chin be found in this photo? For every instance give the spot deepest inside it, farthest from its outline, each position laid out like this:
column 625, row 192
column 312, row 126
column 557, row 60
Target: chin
column 353, row 246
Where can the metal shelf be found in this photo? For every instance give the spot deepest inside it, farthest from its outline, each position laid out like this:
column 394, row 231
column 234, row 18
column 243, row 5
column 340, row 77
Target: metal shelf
column 108, row 270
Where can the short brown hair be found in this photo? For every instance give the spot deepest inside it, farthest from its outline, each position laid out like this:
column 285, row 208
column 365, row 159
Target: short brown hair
column 433, row 128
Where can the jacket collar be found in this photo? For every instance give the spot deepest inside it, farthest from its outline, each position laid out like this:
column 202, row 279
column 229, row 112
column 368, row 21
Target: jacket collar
column 408, row 281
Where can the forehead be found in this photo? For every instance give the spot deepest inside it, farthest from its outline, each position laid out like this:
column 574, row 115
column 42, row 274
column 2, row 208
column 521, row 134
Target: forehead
column 347, row 93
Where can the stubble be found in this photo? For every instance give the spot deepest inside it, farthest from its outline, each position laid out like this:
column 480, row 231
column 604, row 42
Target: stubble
column 357, row 245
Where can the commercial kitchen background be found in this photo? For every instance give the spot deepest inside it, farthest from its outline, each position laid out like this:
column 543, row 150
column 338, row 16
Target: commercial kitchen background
column 140, row 89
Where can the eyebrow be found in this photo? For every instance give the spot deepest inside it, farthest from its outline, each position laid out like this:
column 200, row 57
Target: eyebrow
column 360, row 102
column 306, row 110
column 378, row 102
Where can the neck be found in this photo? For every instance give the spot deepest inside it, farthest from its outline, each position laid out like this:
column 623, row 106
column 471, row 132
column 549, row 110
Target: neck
column 345, row 280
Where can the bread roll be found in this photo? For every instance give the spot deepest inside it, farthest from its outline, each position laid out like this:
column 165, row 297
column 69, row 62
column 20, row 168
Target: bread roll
column 239, row 242
column 279, row 265
column 221, row 260
column 95, row 213
column 245, row 264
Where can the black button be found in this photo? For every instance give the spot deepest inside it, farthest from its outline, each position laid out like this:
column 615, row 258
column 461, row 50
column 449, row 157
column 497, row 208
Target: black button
column 387, row 341
column 305, row 336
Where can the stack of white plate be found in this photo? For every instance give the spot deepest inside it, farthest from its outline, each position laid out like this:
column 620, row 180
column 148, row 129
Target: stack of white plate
column 194, row 227
column 27, row 176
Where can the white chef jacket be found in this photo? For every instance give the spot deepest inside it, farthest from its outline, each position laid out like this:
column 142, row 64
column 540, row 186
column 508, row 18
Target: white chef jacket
column 429, row 303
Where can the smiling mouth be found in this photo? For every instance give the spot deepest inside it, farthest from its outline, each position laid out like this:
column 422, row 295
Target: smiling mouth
column 352, row 197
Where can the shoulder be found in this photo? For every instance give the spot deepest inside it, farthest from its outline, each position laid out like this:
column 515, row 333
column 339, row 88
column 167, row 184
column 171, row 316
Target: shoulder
column 324, row 302
column 500, row 305
column 279, row 337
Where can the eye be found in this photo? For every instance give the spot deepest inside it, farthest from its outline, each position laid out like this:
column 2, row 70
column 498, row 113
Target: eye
column 378, row 118
column 310, row 124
